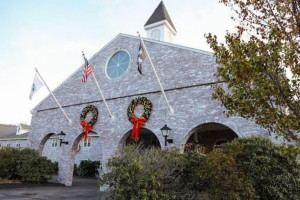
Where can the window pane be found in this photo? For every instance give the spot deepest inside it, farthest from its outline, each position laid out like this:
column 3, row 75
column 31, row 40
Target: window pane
column 118, row 64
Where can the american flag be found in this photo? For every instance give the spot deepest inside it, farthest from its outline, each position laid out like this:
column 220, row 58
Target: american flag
column 87, row 69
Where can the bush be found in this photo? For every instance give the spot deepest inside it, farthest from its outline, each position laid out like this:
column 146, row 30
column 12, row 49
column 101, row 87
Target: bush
column 223, row 180
column 247, row 168
column 272, row 169
column 150, row 174
column 26, row 165
column 129, row 178
column 75, row 169
column 8, row 165
column 88, row 168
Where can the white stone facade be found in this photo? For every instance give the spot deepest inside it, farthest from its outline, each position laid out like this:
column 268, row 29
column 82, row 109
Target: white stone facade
column 187, row 76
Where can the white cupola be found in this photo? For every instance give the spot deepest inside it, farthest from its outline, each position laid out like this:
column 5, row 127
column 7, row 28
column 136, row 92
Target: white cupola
column 160, row 26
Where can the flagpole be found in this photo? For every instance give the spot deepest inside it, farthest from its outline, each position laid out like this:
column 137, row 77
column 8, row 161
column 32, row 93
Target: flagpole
column 171, row 111
column 69, row 120
column 111, row 116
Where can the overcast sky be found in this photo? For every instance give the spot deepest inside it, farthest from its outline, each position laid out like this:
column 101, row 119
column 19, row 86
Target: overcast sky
column 50, row 35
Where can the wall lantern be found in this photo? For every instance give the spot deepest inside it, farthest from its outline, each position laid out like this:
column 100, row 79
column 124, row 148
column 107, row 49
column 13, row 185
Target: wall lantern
column 165, row 131
column 61, row 137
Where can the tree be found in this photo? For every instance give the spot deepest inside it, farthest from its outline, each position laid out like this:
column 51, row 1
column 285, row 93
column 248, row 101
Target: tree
column 273, row 170
column 260, row 64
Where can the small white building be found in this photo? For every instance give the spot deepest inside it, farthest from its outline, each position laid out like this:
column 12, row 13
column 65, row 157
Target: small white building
column 13, row 136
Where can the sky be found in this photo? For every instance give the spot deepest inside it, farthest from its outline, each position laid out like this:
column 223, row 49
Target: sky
column 50, row 34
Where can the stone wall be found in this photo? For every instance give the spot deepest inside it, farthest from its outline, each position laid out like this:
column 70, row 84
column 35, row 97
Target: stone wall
column 186, row 74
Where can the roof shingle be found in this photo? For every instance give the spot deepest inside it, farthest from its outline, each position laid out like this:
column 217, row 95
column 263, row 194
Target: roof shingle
column 159, row 14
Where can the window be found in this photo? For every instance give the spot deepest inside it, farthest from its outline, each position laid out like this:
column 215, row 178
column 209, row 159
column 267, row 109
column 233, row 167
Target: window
column 155, row 34
column 54, row 143
column 8, row 145
column 87, row 144
column 118, row 65
column 18, row 145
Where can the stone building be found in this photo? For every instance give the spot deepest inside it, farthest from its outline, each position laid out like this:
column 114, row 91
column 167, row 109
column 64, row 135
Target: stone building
column 187, row 76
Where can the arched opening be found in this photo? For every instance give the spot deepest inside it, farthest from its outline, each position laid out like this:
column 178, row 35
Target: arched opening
column 208, row 137
column 43, row 142
column 147, row 139
column 91, row 149
column 49, row 147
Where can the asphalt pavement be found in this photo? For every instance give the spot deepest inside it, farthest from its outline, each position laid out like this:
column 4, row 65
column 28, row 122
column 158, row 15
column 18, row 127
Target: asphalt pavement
column 81, row 189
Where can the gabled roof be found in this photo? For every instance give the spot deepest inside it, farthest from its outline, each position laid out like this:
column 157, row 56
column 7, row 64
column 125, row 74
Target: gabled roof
column 9, row 132
column 159, row 14
column 25, row 126
column 114, row 39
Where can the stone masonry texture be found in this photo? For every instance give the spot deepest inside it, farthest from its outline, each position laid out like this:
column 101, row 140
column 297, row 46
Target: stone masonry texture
column 186, row 75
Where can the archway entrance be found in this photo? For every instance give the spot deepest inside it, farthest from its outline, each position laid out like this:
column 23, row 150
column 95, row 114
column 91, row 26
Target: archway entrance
column 208, row 137
column 147, row 139
column 49, row 147
column 91, row 149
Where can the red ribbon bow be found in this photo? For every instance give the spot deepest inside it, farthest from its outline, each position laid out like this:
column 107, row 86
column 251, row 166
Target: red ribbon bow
column 86, row 129
column 137, row 122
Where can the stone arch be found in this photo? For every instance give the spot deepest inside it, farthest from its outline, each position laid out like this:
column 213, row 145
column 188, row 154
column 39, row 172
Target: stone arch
column 74, row 151
column 77, row 141
column 146, row 136
column 43, row 142
column 207, row 137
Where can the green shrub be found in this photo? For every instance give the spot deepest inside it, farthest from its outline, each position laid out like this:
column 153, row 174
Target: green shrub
column 150, row 174
column 26, row 165
column 75, row 169
column 273, row 170
column 88, row 168
column 8, row 165
column 223, row 180
column 192, row 177
column 131, row 178
column 247, row 168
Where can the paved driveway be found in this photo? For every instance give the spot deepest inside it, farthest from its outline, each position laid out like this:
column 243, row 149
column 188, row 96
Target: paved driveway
column 82, row 189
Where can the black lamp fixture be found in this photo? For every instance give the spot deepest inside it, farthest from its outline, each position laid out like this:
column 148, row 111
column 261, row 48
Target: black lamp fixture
column 166, row 132
column 61, row 137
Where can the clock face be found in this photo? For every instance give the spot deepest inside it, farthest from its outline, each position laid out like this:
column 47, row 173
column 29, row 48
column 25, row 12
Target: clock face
column 155, row 34
column 118, row 65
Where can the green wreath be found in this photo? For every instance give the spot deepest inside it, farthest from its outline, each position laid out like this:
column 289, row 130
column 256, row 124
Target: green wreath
column 84, row 112
column 140, row 100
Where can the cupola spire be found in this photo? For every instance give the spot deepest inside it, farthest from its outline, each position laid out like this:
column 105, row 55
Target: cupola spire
column 160, row 26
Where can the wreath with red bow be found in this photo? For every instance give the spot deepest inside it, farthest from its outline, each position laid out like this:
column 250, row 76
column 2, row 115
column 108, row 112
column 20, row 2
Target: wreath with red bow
column 87, row 126
column 137, row 122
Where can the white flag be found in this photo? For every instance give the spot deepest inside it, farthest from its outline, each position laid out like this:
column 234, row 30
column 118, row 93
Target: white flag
column 36, row 85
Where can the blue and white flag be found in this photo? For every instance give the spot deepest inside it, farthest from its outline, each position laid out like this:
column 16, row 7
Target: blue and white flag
column 36, row 85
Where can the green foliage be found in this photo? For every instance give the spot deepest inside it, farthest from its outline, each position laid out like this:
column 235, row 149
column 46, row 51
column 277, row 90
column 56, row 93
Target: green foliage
column 88, row 168
column 255, row 68
column 224, row 181
column 272, row 169
column 191, row 176
column 75, row 169
column 8, row 166
column 151, row 174
column 26, row 165
column 247, row 168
